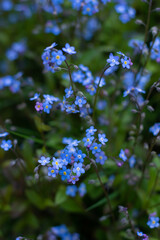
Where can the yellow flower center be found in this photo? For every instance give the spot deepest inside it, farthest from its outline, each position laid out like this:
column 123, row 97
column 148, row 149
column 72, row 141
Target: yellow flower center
column 87, row 139
column 57, row 57
column 46, row 58
column 47, row 106
column 56, row 163
column 125, row 62
column 64, row 173
column 78, row 168
column 52, row 171
column 100, row 157
column 153, row 222
column 95, row 148
column 38, row 106
column 88, row 9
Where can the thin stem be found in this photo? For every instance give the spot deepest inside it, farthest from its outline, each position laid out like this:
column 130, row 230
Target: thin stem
column 153, row 188
column 132, row 227
column 103, row 188
column 70, row 76
column 148, row 21
column 145, row 37
column 147, row 158
column 97, row 91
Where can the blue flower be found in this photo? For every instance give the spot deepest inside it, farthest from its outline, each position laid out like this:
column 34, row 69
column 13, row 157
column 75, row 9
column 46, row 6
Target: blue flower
column 58, row 57
column 102, row 138
column 68, row 49
column 101, row 157
column 50, row 47
column 74, row 143
column 91, row 89
column 60, row 231
column 46, row 107
column 73, row 179
column 52, row 172
column 87, row 140
column 4, row 134
column 82, row 189
column 155, row 129
column 96, row 148
column 35, row 97
column 113, row 60
column 46, row 57
column 80, row 101
column 90, row 131
column 132, row 161
column 6, row 145
column 79, row 156
column 50, row 99
column 65, row 173
column 71, row 108
column 140, row 234
column 153, row 222
column 132, row 89
column 52, row 27
column 122, row 155
column 78, row 169
column 44, row 160
column 125, row 62
column 15, row 87
column 57, row 163
column 68, row 92
column 71, row 191
column 102, row 82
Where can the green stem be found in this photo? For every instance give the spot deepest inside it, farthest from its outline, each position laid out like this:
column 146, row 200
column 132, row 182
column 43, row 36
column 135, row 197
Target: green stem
column 147, row 158
column 97, row 91
column 103, row 188
column 70, row 76
column 148, row 21
column 145, row 36
column 153, row 188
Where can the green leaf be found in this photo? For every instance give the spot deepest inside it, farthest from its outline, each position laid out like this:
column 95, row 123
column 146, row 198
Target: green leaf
column 97, row 204
column 72, row 206
column 60, row 196
column 40, row 125
column 35, row 199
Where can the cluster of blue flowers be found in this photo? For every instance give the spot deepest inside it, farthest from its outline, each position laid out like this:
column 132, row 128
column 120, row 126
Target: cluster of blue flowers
column 126, row 12
column 135, row 85
column 53, row 58
column 76, row 106
column 139, row 46
column 58, row 232
column 72, row 190
column 12, row 82
column 87, row 7
column 17, row 11
column 124, row 155
column 116, row 60
column 153, row 222
column 17, row 49
column 5, row 144
column 52, row 27
column 69, row 162
column 46, row 104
